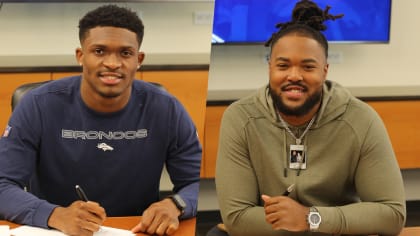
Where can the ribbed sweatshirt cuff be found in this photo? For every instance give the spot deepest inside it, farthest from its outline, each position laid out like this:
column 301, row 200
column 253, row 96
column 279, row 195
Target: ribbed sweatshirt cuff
column 42, row 214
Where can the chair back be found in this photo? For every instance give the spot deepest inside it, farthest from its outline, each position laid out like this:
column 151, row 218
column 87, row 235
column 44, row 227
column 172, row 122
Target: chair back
column 22, row 90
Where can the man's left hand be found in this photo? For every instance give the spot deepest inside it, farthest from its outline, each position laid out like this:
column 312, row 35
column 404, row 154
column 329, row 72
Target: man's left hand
column 160, row 218
column 285, row 213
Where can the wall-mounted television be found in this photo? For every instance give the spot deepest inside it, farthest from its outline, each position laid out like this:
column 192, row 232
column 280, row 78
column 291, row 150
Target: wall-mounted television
column 253, row 21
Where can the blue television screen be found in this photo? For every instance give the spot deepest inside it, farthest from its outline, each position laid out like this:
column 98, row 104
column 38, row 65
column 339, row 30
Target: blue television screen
column 254, row 21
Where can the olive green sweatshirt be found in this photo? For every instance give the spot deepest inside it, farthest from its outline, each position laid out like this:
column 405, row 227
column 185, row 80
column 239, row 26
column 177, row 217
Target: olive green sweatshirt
column 352, row 176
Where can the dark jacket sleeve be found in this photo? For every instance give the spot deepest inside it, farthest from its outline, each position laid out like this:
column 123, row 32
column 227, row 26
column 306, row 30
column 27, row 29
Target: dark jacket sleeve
column 18, row 153
column 184, row 158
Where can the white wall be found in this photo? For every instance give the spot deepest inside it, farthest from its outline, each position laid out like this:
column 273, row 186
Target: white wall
column 366, row 69
column 46, row 33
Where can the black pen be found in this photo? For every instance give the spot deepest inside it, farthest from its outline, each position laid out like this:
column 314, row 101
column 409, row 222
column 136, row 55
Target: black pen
column 81, row 193
column 83, row 197
column 289, row 190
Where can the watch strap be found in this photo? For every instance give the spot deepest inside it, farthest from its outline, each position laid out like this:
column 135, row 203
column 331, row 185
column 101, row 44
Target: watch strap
column 179, row 203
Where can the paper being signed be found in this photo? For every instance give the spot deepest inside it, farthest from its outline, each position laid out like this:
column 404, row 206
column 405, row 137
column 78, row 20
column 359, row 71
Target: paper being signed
column 35, row 231
column 4, row 230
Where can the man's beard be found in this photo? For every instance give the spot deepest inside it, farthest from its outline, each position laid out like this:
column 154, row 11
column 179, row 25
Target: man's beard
column 301, row 110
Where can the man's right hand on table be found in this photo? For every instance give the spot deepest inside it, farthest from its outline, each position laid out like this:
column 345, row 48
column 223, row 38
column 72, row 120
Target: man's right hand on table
column 80, row 218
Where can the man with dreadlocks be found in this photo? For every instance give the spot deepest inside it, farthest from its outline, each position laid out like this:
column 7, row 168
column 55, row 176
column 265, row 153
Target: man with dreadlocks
column 106, row 131
column 348, row 181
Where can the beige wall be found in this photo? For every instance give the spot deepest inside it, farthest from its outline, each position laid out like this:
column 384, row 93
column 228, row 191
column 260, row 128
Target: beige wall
column 47, row 33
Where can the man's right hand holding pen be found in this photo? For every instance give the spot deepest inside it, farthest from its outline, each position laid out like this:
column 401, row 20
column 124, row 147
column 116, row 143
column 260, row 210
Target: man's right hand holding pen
column 82, row 217
column 282, row 212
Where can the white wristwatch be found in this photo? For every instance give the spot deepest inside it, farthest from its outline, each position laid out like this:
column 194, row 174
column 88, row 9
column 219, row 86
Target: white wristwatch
column 314, row 219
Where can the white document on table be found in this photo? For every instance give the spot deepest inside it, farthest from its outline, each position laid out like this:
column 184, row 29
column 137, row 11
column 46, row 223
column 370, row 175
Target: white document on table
column 4, row 230
column 26, row 230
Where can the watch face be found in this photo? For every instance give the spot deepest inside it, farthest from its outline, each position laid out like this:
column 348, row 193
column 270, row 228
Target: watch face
column 314, row 219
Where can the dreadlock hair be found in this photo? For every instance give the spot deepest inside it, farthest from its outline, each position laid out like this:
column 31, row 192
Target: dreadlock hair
column 114, row 16
column 307, row 20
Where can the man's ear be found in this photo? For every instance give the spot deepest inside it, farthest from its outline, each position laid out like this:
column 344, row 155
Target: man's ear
column 326, row 70
column 140, row 59
column 79, row 56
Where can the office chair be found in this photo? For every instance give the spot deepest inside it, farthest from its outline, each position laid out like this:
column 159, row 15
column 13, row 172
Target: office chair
column 217, row 230
column 22, row 90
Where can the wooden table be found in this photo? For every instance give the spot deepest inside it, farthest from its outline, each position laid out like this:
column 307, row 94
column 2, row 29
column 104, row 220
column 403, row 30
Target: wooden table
column 410, row 231
column 186, row 227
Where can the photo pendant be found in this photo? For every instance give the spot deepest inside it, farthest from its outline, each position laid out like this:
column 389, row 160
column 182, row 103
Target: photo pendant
column 297, row 159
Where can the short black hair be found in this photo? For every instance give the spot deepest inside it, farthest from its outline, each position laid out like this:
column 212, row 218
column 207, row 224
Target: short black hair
column 307, row 20
column 114, row 16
